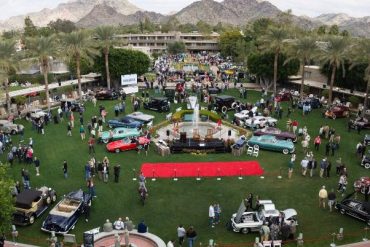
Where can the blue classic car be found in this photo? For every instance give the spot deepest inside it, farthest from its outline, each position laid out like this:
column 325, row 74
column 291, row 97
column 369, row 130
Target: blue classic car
column 269, row 142
column 118, row 133
column 63, row 217
column 126, row 122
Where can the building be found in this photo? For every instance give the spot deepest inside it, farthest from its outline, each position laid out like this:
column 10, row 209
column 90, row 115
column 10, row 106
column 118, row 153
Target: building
column 157, row 42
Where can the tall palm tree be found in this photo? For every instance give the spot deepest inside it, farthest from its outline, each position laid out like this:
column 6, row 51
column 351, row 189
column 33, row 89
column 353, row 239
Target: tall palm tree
column 335, row 53
column 361, row 54
column 78, row 45
column 7, row 63
column 43, row 49
column 304, row 49
column 274, row 41
column 105, row 34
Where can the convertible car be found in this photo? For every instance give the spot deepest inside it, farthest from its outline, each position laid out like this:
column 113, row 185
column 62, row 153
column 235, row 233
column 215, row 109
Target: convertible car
column 30, row 204
column 126, row 122
column 269, row 142
column 361, row 184
column 141, row 117
column 260, row 122
column 63, row 217
column 126, row 144
column 354, row 208
column 118, row 133
column 283, row 95
column 337, row 111
column 281, row 135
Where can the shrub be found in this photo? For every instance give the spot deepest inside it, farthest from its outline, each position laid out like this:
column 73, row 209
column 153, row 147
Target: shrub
column 177, row 116
column 325, row 93
column 354, row 100
column 20, row 100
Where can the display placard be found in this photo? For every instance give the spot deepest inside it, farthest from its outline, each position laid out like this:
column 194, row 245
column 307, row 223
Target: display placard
column 129, row 80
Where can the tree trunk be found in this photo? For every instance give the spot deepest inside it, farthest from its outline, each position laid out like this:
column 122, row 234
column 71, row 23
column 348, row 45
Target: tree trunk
column 330, row 101
column 302, row 82
column 106, row 53
column 78, row 72
column 366, row 96
column 45, row 67
column 7, row 98
column 275, row 70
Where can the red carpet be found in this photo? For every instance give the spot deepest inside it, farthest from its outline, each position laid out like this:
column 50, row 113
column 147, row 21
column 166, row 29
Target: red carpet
column 202, row 169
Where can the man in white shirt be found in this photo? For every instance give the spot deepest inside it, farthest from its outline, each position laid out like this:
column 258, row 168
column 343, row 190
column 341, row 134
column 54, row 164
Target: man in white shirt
column 181, row 232
column 118, row 224
column 211, row 215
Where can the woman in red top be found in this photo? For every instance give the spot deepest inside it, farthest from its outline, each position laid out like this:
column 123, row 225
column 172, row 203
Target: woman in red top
column 317, row 142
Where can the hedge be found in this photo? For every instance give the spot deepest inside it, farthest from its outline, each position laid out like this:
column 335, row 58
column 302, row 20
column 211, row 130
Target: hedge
column 177, row 116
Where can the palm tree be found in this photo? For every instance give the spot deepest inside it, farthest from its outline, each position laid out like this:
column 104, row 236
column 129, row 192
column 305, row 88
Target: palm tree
column 334, row 52
column 274, row 41
column 7, row 62
column 43, row 49
column 361, row 54
column 105, row 34
column 304, row 49
column 78, row 45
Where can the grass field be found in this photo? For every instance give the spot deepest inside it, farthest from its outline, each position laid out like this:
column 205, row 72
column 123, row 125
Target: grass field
column 186, row 201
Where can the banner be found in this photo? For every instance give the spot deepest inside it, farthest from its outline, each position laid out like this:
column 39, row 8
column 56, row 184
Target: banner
column 127, row 80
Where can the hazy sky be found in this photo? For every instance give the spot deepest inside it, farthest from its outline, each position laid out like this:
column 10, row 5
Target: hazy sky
column 357, row 8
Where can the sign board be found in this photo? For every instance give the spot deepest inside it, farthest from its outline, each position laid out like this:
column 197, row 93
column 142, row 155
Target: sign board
column 129, row 80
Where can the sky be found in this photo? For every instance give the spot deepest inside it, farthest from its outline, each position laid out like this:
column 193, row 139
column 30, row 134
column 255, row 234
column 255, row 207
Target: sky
column 312, row 8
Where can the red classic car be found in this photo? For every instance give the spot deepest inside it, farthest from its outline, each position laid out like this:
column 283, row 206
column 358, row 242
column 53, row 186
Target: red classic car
column 126, row 144
column 361, row 184
column 283, row 96
column 337, row 111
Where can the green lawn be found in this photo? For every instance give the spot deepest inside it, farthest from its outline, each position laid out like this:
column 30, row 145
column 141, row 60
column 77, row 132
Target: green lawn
column 186, row 201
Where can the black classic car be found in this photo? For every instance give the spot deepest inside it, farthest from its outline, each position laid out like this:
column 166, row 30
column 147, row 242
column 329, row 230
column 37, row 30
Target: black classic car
column 354, row 208
column 314, row 102
column 63, row 217
column 160, row 104
column 359, row 122
column 366, row 161
column 72, row 104
column 224, row 103
column 30, row 204
column 106, row 94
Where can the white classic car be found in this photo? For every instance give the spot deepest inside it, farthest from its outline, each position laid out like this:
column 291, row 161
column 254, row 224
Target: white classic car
column 245, row 114
column 260, row 122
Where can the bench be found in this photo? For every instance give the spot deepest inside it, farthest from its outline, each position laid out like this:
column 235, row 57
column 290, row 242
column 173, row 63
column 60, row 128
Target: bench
column 66, row 208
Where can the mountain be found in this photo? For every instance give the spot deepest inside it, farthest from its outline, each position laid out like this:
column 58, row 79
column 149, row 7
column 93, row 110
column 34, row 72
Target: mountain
column 72, row 10
column 333, row 19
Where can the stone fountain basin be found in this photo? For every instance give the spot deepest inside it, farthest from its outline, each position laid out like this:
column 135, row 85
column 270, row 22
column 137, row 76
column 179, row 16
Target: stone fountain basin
column 202, row 129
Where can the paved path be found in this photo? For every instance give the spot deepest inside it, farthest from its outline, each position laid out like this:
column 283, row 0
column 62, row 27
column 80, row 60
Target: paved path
column 359, row 244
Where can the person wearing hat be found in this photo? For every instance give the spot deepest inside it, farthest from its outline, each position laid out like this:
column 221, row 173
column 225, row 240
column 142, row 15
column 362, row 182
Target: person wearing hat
column 323, row 195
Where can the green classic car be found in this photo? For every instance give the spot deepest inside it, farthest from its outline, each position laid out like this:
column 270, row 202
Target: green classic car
column 269, row 142
column 118, row 133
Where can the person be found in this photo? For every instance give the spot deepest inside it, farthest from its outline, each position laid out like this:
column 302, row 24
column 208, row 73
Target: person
column 128, row 224
column 91, row 144
column 36, row 161
column 170, row 243
column 304, row 165
column 69, row 129
column 338, row 166
column 82, row 132
column 191, row 235
column 265, row 230
column 65, row 169
column 249, row 202
column 143, row 194
column 217, row 213
column 117, row 169
column 108, row 226
column 142, row 228
column 181, row 232
column 323, row 166
column 291, row 165
column 118, row 224
column 331, row 199
column 91, row 187
column 342, row 183
column 317, row 142
column 323, row 195
column 211, row 215
column 87, row 211
column 142, row 180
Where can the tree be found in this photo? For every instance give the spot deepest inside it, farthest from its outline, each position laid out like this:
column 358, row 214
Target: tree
column 203, row 27
column 105, row 35
column 334, row 30
column 273, row 41
column 228, row 43
column 78, row 45
column 124, row 61
column 62, row 26
column 176, row 47
column 322, row 30
column 42, row 49
column 30, row 29
column 362, row 55
column 6, row 203
column 304, row 49
column 7, row 64
column 334, row 52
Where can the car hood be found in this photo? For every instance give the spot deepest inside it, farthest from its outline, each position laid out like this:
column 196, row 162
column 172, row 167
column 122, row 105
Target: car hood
column 290, row 212
column 55, row 223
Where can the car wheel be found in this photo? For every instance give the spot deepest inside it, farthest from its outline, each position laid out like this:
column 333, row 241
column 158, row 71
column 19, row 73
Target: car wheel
column 334, row 116
column 256, row 146
column 54, row 198
column 48, row 200
column 342, row 211
column 245, row 230
column 285, row 151
column 258, row 126
column 105, row 141
column 13, row 132
column 295, row 139
column 289, row 139
column 271, row 124
column 117, row 150
column 367, row 165
column 32, row 219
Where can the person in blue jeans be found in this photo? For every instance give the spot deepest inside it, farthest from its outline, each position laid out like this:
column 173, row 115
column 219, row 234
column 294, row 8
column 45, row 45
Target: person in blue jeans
column 191, row 235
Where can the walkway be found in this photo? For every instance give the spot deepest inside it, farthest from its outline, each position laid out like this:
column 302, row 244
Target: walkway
column 106, row 239
column 359, row 244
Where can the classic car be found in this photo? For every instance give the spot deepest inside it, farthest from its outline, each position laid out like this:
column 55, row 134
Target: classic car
column 223, row 103
column 279, row 134
column 246, row 222
column 10, row 128
column 361, row 184
column 366, row 162
column 269, row 142
column 118, row 133
column 283, row 96
column 245, row 114
column 126, row 122
column 268, row 210
column 63, row 217
column 72, row 104
column 354, row 208
column 359, row 122
column 126, row 144
column 160, row 104
column 260, row 122
column 337, row 111
column 30, row 204
column 106, row 94
column 313, row 101
column 367, row 140
column 141, row 117
column 36, row 113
